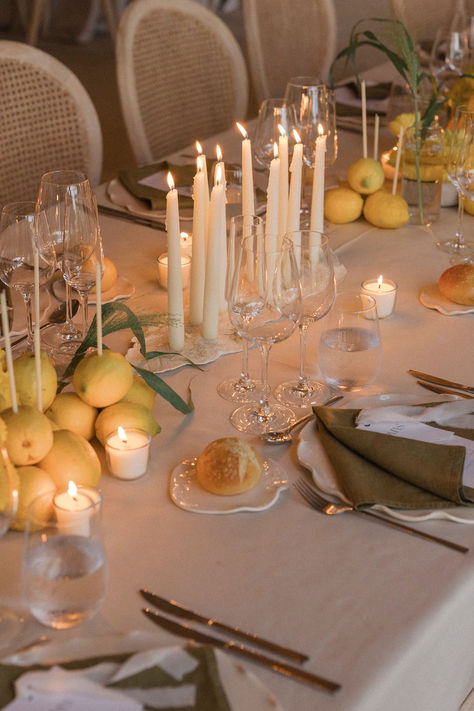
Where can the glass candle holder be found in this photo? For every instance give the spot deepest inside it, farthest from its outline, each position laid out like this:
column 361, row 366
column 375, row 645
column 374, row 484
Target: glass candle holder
column 384, row 292
column 128, row 452
column 163, row 270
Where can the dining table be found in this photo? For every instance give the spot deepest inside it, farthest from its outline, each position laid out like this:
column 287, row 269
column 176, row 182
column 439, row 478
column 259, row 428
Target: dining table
column 384, row 614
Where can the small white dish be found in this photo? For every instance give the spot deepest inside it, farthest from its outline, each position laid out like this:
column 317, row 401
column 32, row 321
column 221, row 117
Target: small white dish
column 431, row 297
column 119, row 195
column 122, row 289
column 188, row 494
column 313, row 457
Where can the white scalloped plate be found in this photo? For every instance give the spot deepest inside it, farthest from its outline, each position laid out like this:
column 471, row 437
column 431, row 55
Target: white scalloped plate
column 122, row 289
column 431, row 297
column 313, row 457
column 188, row 494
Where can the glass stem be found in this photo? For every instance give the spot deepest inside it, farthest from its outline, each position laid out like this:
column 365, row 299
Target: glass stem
column 244, row 379
column 68, row 328
column 84, row 299
column 459, row 241
column 303, row 330
column 264, row 410
column 29, row 319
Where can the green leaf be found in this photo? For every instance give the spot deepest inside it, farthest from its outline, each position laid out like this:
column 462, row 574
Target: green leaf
column 163, row 389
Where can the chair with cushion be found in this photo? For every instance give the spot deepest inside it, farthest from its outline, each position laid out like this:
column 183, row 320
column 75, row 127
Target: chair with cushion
column 287, row 39
column 181, row 76
column 47, row 122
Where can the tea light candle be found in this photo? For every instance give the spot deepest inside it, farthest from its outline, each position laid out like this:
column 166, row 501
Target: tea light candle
column 185, row 244
column 384, row 293
column 73, row 508
column 127, row 452
column 163, row 270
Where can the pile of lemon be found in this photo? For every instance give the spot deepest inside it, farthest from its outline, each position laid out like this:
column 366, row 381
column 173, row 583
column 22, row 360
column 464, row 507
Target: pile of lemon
column 47, row 449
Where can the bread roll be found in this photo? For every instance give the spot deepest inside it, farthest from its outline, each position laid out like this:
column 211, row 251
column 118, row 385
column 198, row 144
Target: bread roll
column 229, row 466
column 457, row 284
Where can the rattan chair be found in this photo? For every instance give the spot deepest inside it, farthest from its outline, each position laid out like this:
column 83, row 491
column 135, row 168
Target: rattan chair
column 47, row 122
column 288, row 38
column 181, row 76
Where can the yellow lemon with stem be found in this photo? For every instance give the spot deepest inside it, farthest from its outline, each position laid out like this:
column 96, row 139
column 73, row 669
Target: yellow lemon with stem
column 102, row 380
column 366, row 176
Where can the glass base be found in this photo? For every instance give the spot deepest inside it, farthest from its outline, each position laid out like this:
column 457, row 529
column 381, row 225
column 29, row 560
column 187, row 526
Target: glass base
column 240, row 389
column 452, row 246
column 247, row 419
column 291, row 393
column 10, row 626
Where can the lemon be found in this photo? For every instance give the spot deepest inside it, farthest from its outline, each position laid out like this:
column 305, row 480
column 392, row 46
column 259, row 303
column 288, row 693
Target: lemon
column 342, row 205
column 69, row 412
column 103, row 380
column 9, row 481
column 141, row 393
column 33, row 482
column 469, row 206
column 109, row 276
column 3, row 433
column 405, row 120
column 71, row 457
column 5, row 395
column 29, row 435
column 366, row 175
column 24, row 368
column 385, row 210
column 126, row 414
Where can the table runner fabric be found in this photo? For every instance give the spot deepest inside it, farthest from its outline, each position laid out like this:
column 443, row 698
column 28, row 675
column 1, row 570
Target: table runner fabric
column 373, row 468
column 210, row 693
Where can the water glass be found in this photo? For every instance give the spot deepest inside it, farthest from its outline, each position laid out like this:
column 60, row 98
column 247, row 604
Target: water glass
column 64, row 571
column 424, row 195
column 350, row 350
column 272, row 114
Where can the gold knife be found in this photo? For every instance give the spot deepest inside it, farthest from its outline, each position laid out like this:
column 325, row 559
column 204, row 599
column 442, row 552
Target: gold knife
column 441, row 381
column 277, row 666
column 443, row 391
column 175, row 608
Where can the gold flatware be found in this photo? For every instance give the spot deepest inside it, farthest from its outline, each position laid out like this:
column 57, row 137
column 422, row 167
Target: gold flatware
column 441, row 381
column 175, row 608
column 277, row 666
column 137, row 219
column 443, row 391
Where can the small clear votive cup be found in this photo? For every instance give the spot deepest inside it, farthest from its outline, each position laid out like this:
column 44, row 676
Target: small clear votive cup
column 128, row 458
column 64, row 567
column 350, row 349
column 162, row 263
column 385, row 295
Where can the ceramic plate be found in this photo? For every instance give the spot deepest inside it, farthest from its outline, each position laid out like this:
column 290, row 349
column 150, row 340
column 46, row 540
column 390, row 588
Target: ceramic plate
column 431, row 297
column 312, row 456
column 122, row 289
column 188, row 494
column 119, row 195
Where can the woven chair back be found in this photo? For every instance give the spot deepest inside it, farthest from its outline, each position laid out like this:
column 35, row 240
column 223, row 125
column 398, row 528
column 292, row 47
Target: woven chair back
column 181, row 76
column 288, row 38
column 425, row 19
column 47, row 122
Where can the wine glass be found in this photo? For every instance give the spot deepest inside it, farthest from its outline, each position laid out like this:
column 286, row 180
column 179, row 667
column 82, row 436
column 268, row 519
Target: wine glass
column 54, row 188
column 10, row 622
column 461, row 173
column 22, row 232
column 242, row 388
column 264, row 308
column 314, row 260
column 457, row 246
column 272, row 114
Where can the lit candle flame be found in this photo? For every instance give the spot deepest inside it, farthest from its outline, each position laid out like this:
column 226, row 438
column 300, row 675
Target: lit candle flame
column 72, row 489
column 275, row 150
column 198, row 147
column 296, row 136
column 218, row 152
column 170, row 181
column 320, row 129
column 218, row 176
column 242, row 130
column 282, row 130
column 380, row 281
column 122, row 434
column 184, row 236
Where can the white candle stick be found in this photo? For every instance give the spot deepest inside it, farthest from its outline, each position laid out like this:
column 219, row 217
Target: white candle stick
column 8, row 350
column 39, row 392
column 248, row 199
column 198, row 263
column 210, row 324
column 221, row 166
column 271, row 224
column 364, row 120
column 376, row 136
column 98, row 302
column 296, row 170
column 202, row 156
column 317, row 200
column 397, row 161
column 175, row 282
column 283, row 181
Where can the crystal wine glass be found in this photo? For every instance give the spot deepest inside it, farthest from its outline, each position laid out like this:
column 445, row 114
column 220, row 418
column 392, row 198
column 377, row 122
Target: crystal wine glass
column 272, row 114
column 22, row 231
column 264, row 308
column 314, row 260
column 242, row 388
column 457, row 245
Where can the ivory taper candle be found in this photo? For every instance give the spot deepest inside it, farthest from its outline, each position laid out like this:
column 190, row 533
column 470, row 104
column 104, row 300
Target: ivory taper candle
column 210, row 324
column 198, row 262
column 248, row 199
column 37, row 339
column 271, row 224
column 317, row 200
column 283, row 181
column 175, row 282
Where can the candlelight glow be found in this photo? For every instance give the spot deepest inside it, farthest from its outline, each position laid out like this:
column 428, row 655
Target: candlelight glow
column 198, row 147
column 184, row 236
column 275, row 150
column 242, row 130
column 218, row 152
column 72, row 489
column 200, row 163
column 282, row 130
column 296, row 136
column 380, row 281
column 320, row 129
column 170, row 181
column 121, row 433
column 218, row 175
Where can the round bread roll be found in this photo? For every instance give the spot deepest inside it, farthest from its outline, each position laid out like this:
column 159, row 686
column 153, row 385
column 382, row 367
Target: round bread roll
column 229, row 466
column 457, row 284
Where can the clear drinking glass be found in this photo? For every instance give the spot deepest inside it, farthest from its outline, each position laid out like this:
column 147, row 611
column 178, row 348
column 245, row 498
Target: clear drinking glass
column 272, row 113
column 64, row 571
column 464, row 171
column 22, row 231
column 457, row 245
column 10, row 622
column 240, row 388
column 264, row 308
column 313, row 257
column 350, row 350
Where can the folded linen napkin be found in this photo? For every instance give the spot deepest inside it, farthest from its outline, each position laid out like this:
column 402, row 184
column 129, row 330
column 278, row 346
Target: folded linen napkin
column 171, row 678
column 378, row 468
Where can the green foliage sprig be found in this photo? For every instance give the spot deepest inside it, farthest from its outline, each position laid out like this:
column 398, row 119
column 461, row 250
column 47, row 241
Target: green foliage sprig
column 117, row 316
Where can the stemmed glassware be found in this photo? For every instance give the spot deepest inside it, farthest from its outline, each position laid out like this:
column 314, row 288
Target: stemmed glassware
column 272, row 114
column 314, row 260
column 265, row 308
column 242, row 388
column 22, row 231
column 461, row 173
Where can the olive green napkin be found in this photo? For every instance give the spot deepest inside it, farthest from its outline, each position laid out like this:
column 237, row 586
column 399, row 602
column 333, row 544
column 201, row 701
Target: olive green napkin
column 210, row 693
column 372, row 91
column 373, row 468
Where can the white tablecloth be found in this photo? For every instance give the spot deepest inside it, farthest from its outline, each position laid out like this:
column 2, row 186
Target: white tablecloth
column 387, row 615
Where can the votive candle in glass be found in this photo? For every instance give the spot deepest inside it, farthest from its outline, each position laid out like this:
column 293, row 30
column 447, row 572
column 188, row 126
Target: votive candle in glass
column 163, row 270
column 127, row 451
column 384, row 292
